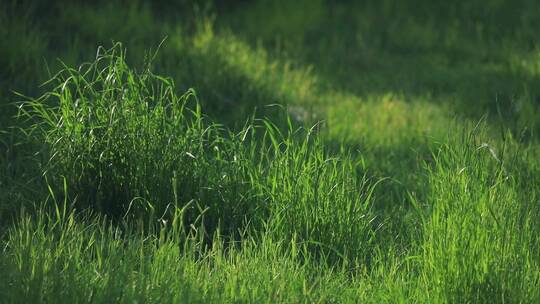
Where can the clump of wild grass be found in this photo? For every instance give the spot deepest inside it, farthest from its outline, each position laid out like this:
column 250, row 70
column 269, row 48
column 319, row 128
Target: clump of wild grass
column 125, row 141
column 125, row 138
column 479, row 236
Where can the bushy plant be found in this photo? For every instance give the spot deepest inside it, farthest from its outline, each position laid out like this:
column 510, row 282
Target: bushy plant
column 125, row 139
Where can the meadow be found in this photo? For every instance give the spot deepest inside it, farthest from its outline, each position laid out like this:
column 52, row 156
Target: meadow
column 261, row 151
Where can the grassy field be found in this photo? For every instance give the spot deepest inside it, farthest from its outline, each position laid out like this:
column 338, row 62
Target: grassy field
column 262, row 151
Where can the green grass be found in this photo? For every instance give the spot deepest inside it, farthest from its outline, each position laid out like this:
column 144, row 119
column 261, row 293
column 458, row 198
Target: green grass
column 269, row 152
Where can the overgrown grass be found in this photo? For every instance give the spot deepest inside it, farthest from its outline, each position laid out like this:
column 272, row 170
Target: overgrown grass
column 371, row 180
column 125, row 141
column 480, row 231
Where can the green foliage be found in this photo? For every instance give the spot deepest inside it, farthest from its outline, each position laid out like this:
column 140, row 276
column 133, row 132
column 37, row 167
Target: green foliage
column 123, row 138
column 329, row 155
column 77, row 258
column 480, row 232
column 234, row 80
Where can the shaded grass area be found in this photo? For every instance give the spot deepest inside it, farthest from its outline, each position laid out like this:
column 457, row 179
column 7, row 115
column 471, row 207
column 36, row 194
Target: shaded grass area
column 477, row 58
column 400, row 164
column 231, row 78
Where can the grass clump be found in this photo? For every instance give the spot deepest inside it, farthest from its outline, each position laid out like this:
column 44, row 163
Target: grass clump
column 121, row 137
column 320, row 201
column 124, row 140
column 479, row 235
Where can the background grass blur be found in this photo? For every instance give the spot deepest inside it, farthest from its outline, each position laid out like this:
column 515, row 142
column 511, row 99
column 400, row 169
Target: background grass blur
column 270, row 151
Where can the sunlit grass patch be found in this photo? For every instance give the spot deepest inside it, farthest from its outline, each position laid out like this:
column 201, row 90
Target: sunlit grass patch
column 479, row 231
column 234, row 79
column 386, row 120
